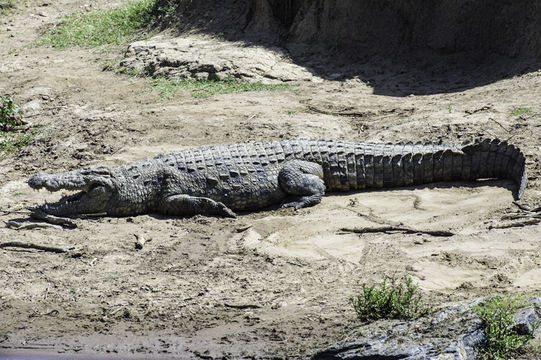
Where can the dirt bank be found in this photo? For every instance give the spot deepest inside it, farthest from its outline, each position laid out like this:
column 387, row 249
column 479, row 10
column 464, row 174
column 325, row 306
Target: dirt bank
column 505, row 27
column 400, row 48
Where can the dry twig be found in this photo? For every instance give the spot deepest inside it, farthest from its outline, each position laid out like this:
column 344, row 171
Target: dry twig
column 14, row 224
column 389, row 229
column 511, row 224
column 336, row 113
column 41, row 215
column 28, row 245
column 522, row 207
column 521, row 216
column 503, row 127
column 140, row 241
column 242, row 306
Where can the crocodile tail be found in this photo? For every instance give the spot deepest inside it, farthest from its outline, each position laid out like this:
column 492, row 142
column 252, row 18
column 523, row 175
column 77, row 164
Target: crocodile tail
column 496, row 159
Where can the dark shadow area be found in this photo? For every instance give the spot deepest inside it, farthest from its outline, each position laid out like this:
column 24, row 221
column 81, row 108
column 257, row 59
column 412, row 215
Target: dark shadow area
column 398, row 47
column 421, row 72
column 506, row 184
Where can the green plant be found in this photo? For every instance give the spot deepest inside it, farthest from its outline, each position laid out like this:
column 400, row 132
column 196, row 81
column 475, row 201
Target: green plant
column 6, row 6
column 102, row 27
column 10, row 113
column 10, row 117
column 517, row 111
column 532, row 349
column 132, row 72
column 219, row 36
column 393, row 300
column 498, row 315
column 202, row 89
column 109, row 65
column 168, row 10
column 10, row 142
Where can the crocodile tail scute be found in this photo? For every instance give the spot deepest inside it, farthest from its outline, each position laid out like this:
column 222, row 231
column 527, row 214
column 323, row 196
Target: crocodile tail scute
column 493, row 158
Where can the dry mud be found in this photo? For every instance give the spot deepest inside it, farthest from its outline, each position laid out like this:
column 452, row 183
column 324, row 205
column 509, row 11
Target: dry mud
column 271, row 284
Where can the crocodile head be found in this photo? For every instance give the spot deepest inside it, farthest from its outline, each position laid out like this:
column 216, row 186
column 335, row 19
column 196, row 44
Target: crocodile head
column 96, row 188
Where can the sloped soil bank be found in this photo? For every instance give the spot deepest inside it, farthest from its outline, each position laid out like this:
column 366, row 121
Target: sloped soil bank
column 422, row 47
column 275, row 283
column 501, row 26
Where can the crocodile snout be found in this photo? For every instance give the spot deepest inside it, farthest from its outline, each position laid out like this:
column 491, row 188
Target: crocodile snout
column 56, row 182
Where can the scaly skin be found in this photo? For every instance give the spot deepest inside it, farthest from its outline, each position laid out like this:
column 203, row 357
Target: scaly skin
column 221, row 179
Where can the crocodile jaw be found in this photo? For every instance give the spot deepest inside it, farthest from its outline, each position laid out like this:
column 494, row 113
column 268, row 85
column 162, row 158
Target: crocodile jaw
column 79, row 203
column 93, row 197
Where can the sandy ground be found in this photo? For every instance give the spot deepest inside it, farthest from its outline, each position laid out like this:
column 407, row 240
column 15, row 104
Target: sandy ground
column 271, row 284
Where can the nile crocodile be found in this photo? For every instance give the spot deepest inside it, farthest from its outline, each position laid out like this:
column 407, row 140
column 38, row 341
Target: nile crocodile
column 221, row 179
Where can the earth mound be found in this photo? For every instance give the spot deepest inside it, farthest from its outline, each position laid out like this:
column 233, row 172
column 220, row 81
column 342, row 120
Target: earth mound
column 400, row 48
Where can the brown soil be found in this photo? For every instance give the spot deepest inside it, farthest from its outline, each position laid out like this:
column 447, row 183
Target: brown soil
column 271, row 284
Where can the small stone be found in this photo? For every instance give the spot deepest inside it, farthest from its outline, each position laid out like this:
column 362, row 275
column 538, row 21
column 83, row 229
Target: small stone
column 525, row 320
column 140, row 241
column 31, row 107
column 536, row 301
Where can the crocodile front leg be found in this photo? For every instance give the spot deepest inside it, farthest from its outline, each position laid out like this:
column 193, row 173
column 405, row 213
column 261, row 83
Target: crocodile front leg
column 303, row 180
column 182, row 205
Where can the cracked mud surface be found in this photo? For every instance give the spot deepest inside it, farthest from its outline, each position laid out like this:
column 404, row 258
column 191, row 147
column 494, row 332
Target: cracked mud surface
column 270, row 284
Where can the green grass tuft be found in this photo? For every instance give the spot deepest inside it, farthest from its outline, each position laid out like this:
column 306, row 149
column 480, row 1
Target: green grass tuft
column 520, row 111
column 202, row 89
column 10, row 113
column 393, row 300
column 6, row 6
column 498, row 315
column 10, row 119
column 9, row 142
column 103, row 27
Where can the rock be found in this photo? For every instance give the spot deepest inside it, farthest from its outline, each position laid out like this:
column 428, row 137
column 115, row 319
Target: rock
column 199, row 57
column 31, row 108
column 525, row 320
column 536, row 301
column 454, row 333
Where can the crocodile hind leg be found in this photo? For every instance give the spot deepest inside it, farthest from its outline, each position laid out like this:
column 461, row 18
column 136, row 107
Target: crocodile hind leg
column 193, row 205
column 304, row 181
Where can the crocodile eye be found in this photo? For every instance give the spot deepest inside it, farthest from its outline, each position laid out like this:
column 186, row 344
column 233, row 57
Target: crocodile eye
column 96, row 189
